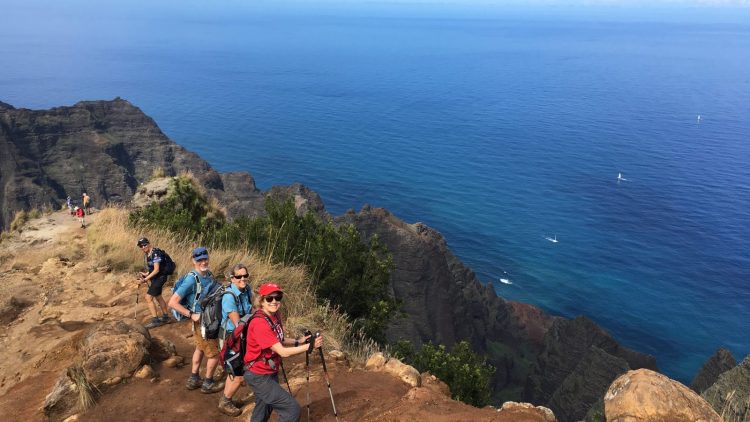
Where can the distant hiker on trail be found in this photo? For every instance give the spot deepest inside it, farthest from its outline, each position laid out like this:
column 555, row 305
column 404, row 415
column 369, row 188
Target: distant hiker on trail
column 266, row 346
column 186, row 302
column 158, row 266
column 86, row 200
column 70, row 205
column 81, row 217
column 235, row 304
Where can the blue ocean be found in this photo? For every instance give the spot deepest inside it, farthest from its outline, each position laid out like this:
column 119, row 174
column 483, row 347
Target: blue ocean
column 500, row 127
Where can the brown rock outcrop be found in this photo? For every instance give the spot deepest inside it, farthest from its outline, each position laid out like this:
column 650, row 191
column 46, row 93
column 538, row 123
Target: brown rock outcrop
column 645, row 395
column 404, row 372
column 114, row 349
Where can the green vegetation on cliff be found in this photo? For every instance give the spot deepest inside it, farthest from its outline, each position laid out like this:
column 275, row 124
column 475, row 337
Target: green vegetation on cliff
column 467, row 374
column 345, row 271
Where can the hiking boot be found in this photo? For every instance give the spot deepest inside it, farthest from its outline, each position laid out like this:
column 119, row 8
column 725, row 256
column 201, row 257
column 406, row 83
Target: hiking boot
column 210, row 386
column 193, row 382
column 227, row 407
column 155, row 322
column 165, row 319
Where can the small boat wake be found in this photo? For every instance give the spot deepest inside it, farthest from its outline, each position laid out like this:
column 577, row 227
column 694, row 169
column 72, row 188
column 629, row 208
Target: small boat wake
column 505, row 281
column 551, row 239
column 620, row 178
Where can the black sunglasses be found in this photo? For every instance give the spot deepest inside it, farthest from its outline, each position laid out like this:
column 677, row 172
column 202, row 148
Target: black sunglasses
column 241, row 276
column 271, row 298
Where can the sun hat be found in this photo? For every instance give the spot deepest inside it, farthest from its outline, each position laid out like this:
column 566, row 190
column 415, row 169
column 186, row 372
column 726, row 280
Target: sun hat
column 200, row 253
column 142, row 242
column 268, row 288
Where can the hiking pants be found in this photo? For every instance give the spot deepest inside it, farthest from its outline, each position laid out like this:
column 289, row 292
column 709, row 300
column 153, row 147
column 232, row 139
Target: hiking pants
column 270, row 396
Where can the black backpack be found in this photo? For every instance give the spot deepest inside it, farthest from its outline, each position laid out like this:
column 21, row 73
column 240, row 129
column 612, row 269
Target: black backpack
column 211, row 310
column 168, row 266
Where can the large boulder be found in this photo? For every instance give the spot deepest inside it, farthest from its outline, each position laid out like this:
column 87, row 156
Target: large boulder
column 719, row 363
column 730, row 394
column 114, row 349
column 645, row 395
column 404, row 372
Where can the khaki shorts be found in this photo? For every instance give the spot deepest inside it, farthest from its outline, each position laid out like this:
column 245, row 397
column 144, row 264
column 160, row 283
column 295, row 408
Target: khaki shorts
column 209, row 347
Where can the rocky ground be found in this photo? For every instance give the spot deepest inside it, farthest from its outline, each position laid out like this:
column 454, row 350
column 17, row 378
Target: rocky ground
column 59, row 307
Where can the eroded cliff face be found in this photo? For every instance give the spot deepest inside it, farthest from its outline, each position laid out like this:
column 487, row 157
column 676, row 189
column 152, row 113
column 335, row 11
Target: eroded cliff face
column 106, row 149
column 564, row 364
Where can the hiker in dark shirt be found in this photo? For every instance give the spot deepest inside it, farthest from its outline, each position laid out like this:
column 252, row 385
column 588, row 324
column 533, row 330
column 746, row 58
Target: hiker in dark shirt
column 156, row 277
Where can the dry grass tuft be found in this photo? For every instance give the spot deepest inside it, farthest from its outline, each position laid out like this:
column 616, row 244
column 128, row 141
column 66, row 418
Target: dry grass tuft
column 158, row 173
column 19, row 219
column 86, row 391
column 112, row 243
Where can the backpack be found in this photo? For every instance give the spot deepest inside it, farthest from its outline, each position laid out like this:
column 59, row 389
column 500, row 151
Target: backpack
column 184, row 300
column 168, row 267
column 232, row 355
column 211, row 310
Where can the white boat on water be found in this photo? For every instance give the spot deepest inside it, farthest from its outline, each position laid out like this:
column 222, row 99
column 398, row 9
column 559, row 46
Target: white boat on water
column 551, row 239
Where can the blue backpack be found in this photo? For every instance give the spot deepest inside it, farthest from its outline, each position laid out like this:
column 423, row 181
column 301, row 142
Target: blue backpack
column 184, row 300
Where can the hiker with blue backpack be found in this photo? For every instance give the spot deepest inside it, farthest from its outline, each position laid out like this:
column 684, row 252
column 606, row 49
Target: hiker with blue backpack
column 159, row 266
column 236, row 306
column 186, row 302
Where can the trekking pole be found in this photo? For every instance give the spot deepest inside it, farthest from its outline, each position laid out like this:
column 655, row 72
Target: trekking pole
column 135, row 311
column 330, row 392
column 307, row 382
column 286, row 378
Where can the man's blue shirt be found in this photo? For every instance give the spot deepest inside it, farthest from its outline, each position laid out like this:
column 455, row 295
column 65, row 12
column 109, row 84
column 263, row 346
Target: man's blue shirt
column 228, row 304
column 187, row 290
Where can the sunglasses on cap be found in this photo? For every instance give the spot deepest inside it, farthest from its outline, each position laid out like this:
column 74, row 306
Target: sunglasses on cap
column 239, row 276
column 271, row 298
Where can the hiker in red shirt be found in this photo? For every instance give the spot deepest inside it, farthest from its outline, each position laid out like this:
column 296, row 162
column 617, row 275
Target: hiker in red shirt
column 266, row 346
column 81, row 217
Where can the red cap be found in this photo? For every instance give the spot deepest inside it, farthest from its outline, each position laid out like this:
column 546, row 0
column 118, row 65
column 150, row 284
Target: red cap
column 268, row 288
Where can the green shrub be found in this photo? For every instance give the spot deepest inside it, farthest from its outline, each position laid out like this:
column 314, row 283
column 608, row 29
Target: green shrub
column 186, row 210
column 347, row 272
column 467, row 374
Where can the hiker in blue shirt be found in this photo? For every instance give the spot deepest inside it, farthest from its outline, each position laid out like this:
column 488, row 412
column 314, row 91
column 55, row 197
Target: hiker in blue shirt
column 192, row 310
column 235, row 304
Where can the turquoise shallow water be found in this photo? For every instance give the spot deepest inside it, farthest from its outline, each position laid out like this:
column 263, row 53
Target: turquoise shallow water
column 497, row 128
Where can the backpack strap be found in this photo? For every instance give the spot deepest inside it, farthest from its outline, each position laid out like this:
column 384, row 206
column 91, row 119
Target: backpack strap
column 237, row 302
column 198, row 288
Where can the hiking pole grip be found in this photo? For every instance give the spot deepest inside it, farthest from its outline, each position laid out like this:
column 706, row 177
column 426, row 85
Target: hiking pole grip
column 328, row 382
